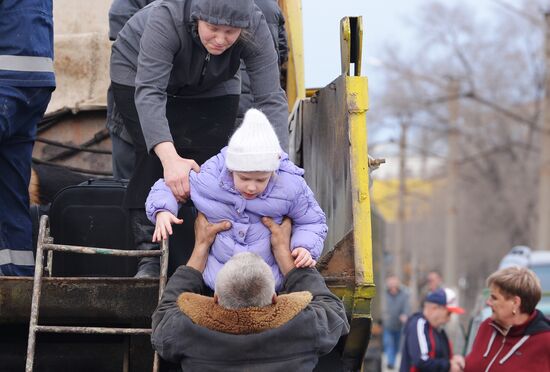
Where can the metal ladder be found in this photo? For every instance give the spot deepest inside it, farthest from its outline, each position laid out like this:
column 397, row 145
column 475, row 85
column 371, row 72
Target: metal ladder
column 45, row 243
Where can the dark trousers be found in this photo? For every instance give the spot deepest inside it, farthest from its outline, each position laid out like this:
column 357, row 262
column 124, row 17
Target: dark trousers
column 123, row 157
column 21, row 108
column 200, row 128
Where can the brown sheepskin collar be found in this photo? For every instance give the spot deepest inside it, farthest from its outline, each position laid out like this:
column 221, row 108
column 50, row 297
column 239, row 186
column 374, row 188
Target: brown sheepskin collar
column 203, row 311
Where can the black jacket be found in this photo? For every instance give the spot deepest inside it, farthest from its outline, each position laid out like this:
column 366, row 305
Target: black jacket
column 425, row 348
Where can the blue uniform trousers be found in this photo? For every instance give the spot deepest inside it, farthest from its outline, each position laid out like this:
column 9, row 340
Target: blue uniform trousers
column 21, row 108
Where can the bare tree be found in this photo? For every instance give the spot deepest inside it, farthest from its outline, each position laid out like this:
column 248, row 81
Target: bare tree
column 500, row 68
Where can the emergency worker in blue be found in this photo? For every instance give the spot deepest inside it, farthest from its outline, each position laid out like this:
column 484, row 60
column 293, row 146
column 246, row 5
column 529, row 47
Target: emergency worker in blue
column 26, row 84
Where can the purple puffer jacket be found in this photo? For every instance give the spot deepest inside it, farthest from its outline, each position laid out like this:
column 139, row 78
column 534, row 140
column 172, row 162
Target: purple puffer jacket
column 213, row 193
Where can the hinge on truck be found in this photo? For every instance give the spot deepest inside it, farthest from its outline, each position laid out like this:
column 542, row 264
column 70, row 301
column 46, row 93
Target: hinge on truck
column 351, row 44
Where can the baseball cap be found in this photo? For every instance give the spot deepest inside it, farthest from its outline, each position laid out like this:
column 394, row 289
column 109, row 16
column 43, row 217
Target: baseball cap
column 445, row 297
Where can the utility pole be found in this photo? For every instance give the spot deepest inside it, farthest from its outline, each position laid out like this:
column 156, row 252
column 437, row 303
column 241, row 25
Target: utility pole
column 399, row 248
column 419, row 228
column 543, row 240
column 452, row 189
column 413, row 283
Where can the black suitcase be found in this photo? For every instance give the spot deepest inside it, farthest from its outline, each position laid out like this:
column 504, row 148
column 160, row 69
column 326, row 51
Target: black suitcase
column 91, row 214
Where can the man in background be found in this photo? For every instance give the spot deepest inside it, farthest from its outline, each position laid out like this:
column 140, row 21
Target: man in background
column 434, row 281
column 426, row 346
column 397, row 309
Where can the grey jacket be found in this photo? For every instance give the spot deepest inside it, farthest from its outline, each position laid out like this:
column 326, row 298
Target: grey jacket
column 276, row 23
column 395, row 306
column 293, row 346
column 120, row 12
column 158, row 51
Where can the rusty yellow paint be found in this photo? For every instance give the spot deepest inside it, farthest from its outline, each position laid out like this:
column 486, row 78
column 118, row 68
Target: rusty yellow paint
column 310, row 92
column 295, row 89
column 345, row 45
column 358, row 62
column 351, row 39
column 358, row 103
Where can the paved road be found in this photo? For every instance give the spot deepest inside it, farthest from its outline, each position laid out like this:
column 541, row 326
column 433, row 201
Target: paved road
column 395, row 368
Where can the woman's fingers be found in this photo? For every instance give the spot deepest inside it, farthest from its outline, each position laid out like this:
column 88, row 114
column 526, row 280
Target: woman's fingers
column 195, row 166
column 176, row 176
column 185, row 187
column 174, row 188
column 181, row 186
column 190, row 165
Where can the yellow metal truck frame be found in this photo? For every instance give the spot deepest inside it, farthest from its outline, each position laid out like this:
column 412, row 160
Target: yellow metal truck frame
column 329, row 139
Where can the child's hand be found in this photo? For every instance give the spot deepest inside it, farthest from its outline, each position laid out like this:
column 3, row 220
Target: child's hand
column 303, row 258
column 163, row 228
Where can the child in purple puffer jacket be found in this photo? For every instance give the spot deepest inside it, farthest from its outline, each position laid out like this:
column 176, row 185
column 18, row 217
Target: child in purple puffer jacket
column 249, row 179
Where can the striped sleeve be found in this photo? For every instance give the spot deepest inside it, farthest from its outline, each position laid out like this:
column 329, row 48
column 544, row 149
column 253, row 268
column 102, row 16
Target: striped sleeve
column 420, row 349
column 421, row 339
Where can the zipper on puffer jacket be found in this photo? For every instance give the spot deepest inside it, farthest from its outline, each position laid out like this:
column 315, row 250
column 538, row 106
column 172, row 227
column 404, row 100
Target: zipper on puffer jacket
column 204, row 66
column 496, row 355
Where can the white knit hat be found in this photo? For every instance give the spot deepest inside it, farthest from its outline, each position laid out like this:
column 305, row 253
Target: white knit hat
column 254, row 147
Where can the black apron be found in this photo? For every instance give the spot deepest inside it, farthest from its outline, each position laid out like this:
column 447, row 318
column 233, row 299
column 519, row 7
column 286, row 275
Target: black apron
column 200, row 128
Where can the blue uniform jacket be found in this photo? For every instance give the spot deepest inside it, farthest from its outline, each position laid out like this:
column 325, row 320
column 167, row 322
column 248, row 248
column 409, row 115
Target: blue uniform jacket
column 26, row 44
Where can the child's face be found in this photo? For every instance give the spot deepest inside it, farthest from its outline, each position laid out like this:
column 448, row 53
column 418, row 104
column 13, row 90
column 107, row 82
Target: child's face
column 251, row 184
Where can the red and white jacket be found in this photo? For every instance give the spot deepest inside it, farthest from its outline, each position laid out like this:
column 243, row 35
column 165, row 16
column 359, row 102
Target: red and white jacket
column 525, row 347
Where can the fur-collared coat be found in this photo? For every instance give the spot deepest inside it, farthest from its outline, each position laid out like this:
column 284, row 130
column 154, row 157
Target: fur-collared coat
column 193, row 331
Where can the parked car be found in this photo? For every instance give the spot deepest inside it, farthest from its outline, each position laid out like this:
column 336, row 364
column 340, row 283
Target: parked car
column 539, row 262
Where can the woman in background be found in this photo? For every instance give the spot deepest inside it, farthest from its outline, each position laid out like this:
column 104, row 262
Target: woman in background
column 517, row 336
